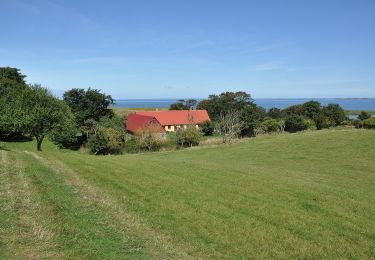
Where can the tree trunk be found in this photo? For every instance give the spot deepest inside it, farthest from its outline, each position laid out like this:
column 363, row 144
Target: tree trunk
column 39, row 140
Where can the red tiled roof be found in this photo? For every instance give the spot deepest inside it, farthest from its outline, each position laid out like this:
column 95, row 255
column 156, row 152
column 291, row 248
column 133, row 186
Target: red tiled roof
column 137, row 121
column 177, row 117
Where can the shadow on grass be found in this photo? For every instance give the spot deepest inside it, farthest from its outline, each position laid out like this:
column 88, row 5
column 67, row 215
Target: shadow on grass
column 15, row 138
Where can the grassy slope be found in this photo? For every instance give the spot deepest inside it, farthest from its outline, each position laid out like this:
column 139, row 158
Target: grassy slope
column 308, row 195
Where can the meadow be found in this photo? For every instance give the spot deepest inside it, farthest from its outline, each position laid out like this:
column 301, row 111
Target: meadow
column 304, row 195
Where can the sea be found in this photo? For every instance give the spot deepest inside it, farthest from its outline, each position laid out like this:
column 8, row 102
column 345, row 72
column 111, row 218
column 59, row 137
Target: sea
column 267, row 103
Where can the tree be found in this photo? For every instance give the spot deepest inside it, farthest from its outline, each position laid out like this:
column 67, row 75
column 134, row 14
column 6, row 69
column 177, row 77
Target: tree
column 88, row 104
column 364, row 115
column 43, row 113
column 183, row 104
column 12, row 86
column 335, row 113
column 293, row 110
column 275, row 113
column 12, row 74
column 230, row 125
column 251, row 117
column 225, row 102
column 311, row 109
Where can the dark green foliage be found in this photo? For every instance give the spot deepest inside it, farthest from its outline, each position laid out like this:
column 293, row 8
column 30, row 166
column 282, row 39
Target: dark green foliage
column 88, row 104
column 293, row 110
column 323, row 117
column 335, row 113
column 31, row 110
column 295, row 123
column 183, row 104
column 44, row 113
column 251, row 118
column 364, row 115
column 207, row 128
column 369, row 123
column 275, row 113
column 11, row 74
column 218, row 104
column 189, row 136
column 12, row 87
column 251, row 115
column 323, row 121
column 66, row 136
column 311, row 109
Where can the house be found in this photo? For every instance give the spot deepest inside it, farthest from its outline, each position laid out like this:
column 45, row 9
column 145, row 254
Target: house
column 166, row 121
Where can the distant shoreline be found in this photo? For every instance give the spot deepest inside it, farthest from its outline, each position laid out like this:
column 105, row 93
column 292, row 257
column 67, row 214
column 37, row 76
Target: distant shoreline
column 367, row 104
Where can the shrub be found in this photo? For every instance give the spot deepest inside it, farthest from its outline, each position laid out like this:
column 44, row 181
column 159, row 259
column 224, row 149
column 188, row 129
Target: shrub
column 275, row 113
column 323, row 121
column 358, row 123
column 105, row 141
column 149, row 138
column 335, row 113
column 310, row 124
column 364, row 115
column 66, row 137
column 207, row 128
column 347, row 122
column 271, row 126
column 189, row 136
column 131, row 145
column 295, row 123
column 369, row 123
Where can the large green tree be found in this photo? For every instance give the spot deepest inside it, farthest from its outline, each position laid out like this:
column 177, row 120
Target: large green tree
column 44, row 113
column 88, row 104
column 216, row 105
column 12, row 86
column 227, row 102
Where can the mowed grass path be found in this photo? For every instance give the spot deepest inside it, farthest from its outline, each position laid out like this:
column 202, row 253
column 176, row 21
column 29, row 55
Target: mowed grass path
column 305, row 195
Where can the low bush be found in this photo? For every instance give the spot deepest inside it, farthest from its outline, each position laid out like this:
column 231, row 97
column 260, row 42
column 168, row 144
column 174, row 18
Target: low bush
column 323, row 121
column 369, row 123
column 295, row 123
column 271, row 126
column 189, row 136
column 364, row 115
column 358, row 123
column 207, row 128
column 347, row 123
column 105, row 141
column 131, row 145
column 149, row 138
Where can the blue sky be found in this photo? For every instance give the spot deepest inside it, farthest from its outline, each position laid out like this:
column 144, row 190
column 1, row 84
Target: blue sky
column 192, row 48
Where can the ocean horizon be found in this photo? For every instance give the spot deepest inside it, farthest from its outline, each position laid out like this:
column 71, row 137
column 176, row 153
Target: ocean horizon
column 267, row 103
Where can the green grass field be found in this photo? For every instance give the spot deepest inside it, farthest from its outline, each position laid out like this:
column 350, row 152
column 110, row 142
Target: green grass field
column 304, row 195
